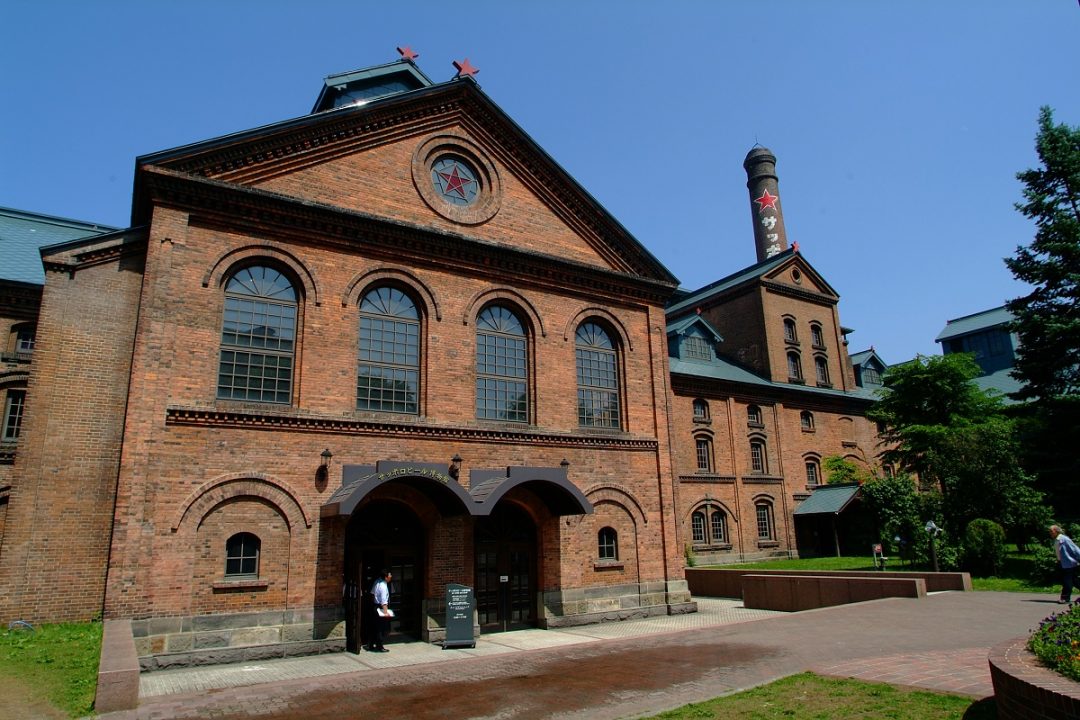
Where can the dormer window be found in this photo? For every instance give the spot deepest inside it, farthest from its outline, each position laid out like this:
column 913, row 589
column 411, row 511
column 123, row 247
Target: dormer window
column 696, row 347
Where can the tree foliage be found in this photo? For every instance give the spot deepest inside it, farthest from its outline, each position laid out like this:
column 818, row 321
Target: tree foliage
column 1047, row 320
column 840, row 470
column 939, row 424
column 923, row 401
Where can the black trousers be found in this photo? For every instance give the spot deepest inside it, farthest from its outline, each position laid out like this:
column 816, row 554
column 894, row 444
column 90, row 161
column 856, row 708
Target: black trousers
column 1067, row 577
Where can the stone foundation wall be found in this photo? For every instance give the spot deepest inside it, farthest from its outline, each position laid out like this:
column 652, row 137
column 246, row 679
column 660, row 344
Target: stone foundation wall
column 212, row 639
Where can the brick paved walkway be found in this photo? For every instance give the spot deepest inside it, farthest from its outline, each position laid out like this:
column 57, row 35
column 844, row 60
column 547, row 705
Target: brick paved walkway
column 620, row 670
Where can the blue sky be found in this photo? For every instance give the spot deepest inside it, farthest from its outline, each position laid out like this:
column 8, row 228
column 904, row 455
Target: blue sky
column 899, row 127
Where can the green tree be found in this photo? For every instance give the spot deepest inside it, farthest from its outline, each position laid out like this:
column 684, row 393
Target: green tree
column 840, row 470
column 1047, row 320
column 922, row 402
column 957, row 438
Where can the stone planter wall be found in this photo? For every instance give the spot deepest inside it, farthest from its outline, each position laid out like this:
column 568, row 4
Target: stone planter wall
column 1025, row 690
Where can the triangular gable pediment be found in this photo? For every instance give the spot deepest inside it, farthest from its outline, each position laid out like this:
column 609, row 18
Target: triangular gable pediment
column 799, row 276
column 377, row 159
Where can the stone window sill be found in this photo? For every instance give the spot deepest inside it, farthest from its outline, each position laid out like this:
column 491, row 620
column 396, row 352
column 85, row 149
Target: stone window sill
column 239, row 585
column 601, row 565
column 768, row 543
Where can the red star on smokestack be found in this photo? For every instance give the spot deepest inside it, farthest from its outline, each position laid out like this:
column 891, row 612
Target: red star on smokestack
column 407, row 53
column 465, row 69
column 766, row 200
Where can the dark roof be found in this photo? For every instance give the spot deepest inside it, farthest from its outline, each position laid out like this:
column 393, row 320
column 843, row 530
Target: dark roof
column 22, row 233
column 828, row 499
column 688, row 298
column 1000, row 381
column 721, row 369
column 680, row 326
column 864, row 356
column 974, row 323
column 685, row 299
column 370, row 83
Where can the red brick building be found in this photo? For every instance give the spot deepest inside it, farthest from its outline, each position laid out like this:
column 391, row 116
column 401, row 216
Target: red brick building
column 395, row 333
column 764, row 390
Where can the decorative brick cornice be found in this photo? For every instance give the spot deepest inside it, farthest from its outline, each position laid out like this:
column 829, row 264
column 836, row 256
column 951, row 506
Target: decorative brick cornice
column 800, row 293
column 228, row 207
column 708, row 479
column 253, row 419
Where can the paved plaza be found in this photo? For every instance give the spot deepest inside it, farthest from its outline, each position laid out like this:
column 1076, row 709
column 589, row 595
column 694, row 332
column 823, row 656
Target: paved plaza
column 615, row 670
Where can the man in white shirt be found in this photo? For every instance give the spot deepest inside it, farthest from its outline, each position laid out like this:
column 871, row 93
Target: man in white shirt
column 381, row 591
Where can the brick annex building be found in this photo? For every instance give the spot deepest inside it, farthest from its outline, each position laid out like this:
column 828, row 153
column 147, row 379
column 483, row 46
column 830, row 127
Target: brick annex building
column 348, row 341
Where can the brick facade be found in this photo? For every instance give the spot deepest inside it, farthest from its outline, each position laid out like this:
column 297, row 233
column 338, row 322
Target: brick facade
column 135, row 476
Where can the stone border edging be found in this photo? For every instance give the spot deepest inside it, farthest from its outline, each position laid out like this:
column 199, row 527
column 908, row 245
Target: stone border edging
column 1024, row 689
column 118, row 669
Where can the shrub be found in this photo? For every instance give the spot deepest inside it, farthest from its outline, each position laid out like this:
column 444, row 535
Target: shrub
column 1057, row 642
column 947, row 552
column 1044, row 566
column 984, row 547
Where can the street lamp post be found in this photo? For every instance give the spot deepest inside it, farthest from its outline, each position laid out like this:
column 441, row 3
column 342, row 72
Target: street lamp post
column 932, row 530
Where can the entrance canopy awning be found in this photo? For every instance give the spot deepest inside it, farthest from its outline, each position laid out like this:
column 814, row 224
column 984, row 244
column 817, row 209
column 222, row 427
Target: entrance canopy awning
column 828, row 499
column 487, row 487
column 550, row 484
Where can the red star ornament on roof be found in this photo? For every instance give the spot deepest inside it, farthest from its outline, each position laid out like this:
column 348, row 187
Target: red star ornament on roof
column 465, row 69
column 407, row 53
column 766, row 200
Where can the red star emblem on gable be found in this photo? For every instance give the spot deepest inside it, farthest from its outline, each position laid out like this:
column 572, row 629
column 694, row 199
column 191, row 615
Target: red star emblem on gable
column 407, row 53
column 455, row 183
column 464, row 68
column 766, row 200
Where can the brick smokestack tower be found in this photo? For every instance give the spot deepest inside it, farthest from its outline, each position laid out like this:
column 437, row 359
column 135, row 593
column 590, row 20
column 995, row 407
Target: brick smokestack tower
column 769, row 234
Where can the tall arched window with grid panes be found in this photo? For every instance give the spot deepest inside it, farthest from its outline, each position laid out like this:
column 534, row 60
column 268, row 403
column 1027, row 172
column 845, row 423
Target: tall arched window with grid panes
column 597, row 377
column 258, row 337
column 388, row 359
column 502, row 368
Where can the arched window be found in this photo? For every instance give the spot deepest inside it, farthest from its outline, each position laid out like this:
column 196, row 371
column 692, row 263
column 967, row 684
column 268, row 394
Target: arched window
column 242, row 555
column 502, row 369
column 753, row 415
column 821, row 368
column 817, row 338
column 701, row 410
column 794, row 366
column 703, row 447
column 806, row 420
column 764, row 520
column 388, row 361
column 597, row 377
column 813, row 472
column 758, row 459
column 789, row 331
column 708, row 526
column 607, row 542
column 258, row 337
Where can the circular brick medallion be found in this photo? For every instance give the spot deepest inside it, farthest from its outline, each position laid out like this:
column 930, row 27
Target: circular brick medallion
column 456, row 179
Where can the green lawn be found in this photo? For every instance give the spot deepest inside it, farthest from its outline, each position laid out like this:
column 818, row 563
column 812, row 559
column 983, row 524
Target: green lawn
column 1014, row 576
column 53, row 665
column 810, row 697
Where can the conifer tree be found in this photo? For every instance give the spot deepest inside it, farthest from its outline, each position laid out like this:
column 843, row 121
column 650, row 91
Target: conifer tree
column 1047, row 320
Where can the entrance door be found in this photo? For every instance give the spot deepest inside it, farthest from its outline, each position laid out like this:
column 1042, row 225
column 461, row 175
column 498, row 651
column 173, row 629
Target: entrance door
column 382, row 536
column 506, row 570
